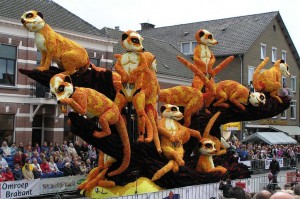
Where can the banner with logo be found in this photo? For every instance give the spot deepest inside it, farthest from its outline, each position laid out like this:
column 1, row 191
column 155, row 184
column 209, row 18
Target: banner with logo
column 269, row 160
column 20, row 189
column 62, row 184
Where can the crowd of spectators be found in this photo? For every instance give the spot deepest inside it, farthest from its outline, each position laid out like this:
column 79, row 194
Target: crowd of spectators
column 18, row 162
column 236, row 192
column 252, row 151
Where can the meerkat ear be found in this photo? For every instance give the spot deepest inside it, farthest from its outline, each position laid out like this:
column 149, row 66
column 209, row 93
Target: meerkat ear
column 201, row 33
column 68, row 79
column 124, row 36
column 40, row 14
column 282, row 61
column 162, row 109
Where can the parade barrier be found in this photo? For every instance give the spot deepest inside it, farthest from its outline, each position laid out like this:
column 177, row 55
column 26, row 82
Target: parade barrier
column 261, row 165
column 208, row 191
column 51, row 186
column 37, row 187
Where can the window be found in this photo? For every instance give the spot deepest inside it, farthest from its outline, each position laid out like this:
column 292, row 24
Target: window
column 293, row 109
column 188, row 47
column 274, row 54
column 194, row 44
column 293, row 84
column 263, row 51
column 95, row 61
column 185, row 48
column 283, row 55
column 250, row 74
column 283, row 115
column 8, row 56
column 283, row 82
column 7, row 128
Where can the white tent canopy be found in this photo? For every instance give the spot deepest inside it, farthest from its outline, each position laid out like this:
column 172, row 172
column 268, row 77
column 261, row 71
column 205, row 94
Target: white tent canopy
column 270, row 138
column 291, row 130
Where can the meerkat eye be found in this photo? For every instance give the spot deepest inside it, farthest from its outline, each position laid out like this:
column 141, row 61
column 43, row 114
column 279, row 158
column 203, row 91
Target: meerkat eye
column 208, row 146
column 29, row 15
column 173, row 109
column 209, row 37
column 61, row 88
column 135, row 41
column 261, row 97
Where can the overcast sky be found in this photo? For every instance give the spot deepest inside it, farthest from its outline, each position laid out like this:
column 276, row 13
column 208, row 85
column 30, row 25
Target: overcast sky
column 128, row 14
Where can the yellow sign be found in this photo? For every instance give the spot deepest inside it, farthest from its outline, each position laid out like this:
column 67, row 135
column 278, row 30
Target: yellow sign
column 232, row 126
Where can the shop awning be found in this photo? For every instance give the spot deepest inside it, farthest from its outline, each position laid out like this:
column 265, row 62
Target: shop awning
column 291, row 130
column 270, row 138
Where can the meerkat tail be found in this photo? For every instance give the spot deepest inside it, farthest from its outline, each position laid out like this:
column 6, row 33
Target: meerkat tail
column 255, row 82
column 198, row 73
column 210, row 124
column 121, row 127
column 222, row 65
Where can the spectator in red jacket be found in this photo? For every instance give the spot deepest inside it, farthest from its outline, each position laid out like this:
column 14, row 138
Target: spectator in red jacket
column 18, row 158
column 45, row 166
column 46, row 169
column 2, row 178
column 8, row 175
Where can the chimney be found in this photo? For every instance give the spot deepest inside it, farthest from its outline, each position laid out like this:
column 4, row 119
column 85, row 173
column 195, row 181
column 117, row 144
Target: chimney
column 147, row 26
column 117, row 27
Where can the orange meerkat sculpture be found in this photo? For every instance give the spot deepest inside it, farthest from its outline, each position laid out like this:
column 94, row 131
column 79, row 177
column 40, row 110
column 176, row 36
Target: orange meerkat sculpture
column 131, row 67
column 238, row 94
column 270, row 80
column 209, row 91
column 208, row 150
column 91, row 103
column 204, row 58
column 69, row 55
column 97, row 175
column 172, row 135
column 191, row 98
column 150, row 87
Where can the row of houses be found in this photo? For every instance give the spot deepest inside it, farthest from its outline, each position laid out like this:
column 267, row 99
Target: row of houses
column 29, row 114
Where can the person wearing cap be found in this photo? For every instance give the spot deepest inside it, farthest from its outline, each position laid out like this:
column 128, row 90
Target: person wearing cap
column 17, row 172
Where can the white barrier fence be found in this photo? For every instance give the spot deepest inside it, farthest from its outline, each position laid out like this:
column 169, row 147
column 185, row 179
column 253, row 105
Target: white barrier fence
column 207, row 191
column 31, row 188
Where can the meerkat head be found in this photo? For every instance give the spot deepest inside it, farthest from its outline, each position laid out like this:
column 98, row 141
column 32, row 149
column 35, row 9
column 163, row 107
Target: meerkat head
column 204, row 37
column 33, row 20
column 132, row 41
column 171, row 111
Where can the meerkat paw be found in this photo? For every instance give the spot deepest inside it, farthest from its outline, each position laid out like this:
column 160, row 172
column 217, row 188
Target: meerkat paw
column 99, row 134
column 221, row 169
column 141, row 138
column 148, row 140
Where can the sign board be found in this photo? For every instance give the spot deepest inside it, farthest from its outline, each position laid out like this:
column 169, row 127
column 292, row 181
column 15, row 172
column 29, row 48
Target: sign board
column 20, row 189
column 269, row 160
